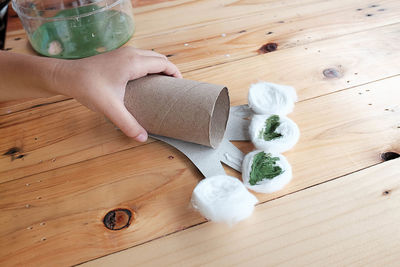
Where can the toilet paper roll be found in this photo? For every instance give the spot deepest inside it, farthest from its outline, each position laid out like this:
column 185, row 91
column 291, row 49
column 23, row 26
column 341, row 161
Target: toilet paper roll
column 182, row 109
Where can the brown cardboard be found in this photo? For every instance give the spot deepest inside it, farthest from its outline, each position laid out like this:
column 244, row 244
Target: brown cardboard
column 182, row 109
column 237, row 128
column 208, row 160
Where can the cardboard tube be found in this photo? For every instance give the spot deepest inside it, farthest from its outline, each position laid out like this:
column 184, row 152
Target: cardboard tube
column 182, row 109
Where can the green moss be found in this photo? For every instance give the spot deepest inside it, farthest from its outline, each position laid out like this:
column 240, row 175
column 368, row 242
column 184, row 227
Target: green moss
column 268, row 133
column 264, row 167
column 85, row 36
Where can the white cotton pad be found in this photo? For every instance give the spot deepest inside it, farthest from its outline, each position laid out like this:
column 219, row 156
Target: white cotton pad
column 223, row 199
column 266, row 136
column 270, row 98
column 265, row 185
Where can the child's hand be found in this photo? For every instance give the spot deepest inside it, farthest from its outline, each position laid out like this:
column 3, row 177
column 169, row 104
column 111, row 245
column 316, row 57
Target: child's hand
column 99, row 82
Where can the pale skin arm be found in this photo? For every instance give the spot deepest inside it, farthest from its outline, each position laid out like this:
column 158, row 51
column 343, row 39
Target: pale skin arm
column 97, row 82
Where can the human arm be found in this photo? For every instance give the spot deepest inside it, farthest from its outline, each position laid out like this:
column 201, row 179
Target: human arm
column 97, row 82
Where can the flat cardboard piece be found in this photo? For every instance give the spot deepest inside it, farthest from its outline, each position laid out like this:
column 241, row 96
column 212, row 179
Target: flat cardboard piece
column 208, row 160
column 178, row 108
column 238, row 125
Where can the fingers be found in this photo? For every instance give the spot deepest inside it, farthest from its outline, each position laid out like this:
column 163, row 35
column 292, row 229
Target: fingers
column 148, row 53
column 120, row 116
column 149, row 62
column 154, row 64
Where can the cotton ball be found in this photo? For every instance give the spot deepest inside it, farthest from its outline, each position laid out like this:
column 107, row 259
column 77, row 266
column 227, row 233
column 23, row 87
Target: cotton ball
column 270, row 98
column 55, row 48
column 223, row 199
column 273, row 133
column 265, row 181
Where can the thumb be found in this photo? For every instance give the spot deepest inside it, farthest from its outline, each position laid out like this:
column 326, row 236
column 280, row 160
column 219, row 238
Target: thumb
column 123, row 119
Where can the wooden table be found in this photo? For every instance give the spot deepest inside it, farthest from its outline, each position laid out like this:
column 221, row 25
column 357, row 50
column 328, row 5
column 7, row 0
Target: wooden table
column 63, row 167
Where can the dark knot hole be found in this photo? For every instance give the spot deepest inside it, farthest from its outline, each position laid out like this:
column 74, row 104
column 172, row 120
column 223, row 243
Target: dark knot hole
column 118, row 219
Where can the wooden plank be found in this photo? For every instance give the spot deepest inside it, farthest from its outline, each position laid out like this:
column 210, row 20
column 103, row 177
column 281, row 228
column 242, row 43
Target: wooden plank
column 356, row 62
column 339, row 129
column 291, row 26
column 9, row 107
column 206, row 46
column 242, row 37
column 36, row 112
column 162, row 17
column 55, row 136
column 69, row 205
column 351, row 221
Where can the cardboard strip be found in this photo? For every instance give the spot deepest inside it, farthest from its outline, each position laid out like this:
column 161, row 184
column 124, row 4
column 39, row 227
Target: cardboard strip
column 237, row 128
column 178, row 108
column 208, row 160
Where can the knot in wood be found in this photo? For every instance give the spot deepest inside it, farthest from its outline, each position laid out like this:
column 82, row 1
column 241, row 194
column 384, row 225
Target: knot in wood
column 14, row 153
column 269, row 47
column 389, row 156
column 331, row 73
column 118, row 219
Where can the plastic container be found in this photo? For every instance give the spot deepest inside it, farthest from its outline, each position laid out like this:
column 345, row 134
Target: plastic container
column 3, row 21
column 76, row 29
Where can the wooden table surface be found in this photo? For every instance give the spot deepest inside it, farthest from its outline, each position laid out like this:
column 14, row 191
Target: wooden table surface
column 63, row 167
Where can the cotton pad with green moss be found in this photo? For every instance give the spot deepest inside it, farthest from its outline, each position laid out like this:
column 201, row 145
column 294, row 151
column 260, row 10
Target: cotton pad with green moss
column 264, row 167
column 269, row 132
column 273, row 133
column 265, row 172
column 82, row 32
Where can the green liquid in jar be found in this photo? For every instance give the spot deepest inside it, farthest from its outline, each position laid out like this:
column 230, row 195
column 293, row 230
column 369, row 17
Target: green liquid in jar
column 85, row 36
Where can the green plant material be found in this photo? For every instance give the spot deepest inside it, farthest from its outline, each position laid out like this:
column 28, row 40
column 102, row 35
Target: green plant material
column 268, row 133
column 86, row 36
column 264, row 167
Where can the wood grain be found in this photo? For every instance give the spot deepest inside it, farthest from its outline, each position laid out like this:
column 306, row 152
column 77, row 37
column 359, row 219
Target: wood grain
column 9, row 107
column 357, row 60
column 162, row 16
column 72, row 167
column 339, row 129
column 351, row 221
column 54, row 136
column 244, row 34
column 353, row 59
column 58, row 213
column 69, row 133
column 242, row 37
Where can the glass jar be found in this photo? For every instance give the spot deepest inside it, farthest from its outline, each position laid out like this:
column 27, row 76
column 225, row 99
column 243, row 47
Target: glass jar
column 75, row 28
